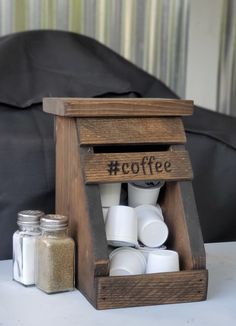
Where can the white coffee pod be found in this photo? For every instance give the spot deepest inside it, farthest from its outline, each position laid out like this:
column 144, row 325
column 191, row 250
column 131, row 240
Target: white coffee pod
column 121, row 226
column 152, row 230
column 150, row 210
column 162, row 261
column 110, row 194
column 143, row 193
column 126, row 261
column 147, row 250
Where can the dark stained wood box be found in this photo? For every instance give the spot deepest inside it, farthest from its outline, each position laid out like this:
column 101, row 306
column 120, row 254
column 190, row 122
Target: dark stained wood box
column 91, row 136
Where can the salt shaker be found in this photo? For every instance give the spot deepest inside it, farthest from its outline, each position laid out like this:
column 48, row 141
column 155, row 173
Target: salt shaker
column 24, row 240
column 55, row 255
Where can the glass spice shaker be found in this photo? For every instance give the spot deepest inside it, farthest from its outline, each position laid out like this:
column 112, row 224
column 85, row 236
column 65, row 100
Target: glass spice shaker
column 24, row 240
column 55, row 255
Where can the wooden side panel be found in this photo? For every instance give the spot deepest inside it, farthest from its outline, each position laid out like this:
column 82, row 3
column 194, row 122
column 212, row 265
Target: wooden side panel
column 72, row 200
column 151, row 289
column 109, row 131
column 193, row 225
column 180, row 214
column 117, row 107
column 114, row 167
column 97, row 231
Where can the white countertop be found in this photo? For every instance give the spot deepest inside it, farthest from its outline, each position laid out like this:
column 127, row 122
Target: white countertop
column 31, row 307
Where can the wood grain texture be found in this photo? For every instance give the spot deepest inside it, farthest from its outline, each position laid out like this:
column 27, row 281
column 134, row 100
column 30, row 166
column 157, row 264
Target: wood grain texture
column 120, row 131
column 123, row 167
column 151, row 289
column 117, row 107
column 72, row 200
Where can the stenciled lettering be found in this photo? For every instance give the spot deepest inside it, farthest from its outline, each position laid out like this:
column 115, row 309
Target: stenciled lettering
column 148, row 165
column 125, row 168
column 167, row 166
column 159, row 166
column 135, row 167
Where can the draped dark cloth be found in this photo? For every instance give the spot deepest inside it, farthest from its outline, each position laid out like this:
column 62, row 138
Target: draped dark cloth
column 39, row 64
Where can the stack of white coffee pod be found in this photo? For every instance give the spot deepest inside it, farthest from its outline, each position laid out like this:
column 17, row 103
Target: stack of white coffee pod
column 138, row 230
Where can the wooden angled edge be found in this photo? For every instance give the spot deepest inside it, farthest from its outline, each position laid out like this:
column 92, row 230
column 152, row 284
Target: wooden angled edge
column 180, row 213
column 97, row 230
column 193, row 225
column 151, row 289
column 117, row 107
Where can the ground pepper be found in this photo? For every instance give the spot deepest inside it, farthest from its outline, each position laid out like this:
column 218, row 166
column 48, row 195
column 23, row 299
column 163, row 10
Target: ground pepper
column 54, row 256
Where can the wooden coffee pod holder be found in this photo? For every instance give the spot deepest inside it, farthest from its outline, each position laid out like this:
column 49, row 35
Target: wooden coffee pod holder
column 123, row 140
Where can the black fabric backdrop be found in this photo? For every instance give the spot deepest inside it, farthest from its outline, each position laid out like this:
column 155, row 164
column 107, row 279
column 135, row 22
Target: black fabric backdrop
column 41, row 64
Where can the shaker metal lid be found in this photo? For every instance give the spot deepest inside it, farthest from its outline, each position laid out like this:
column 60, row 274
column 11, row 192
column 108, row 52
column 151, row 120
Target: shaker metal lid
column 29, row 216
column 54, row 222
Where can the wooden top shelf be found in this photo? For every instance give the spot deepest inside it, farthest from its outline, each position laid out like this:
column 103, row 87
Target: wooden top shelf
column 117, row 107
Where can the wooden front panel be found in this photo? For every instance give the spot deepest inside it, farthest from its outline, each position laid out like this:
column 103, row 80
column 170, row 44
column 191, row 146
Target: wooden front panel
column 117, row 107
column 114, row 167
column 130, row 131
column 151, row 289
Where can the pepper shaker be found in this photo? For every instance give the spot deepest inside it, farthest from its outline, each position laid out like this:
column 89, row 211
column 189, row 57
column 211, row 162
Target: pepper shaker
column 55, row 255
column 24, row 246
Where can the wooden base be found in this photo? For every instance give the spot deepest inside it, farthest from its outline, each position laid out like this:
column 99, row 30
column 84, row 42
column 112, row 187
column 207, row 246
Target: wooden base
column 150, row 289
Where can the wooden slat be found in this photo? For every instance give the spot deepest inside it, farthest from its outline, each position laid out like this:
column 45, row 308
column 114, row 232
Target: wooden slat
column 151, row 289
column 131, row 131
column 114, row 167
column 117, row 107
